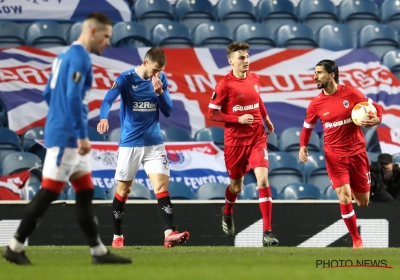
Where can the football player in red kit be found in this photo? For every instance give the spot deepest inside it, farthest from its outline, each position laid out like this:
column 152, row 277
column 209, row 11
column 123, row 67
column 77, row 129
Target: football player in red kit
column 236, row 102
column 344, row 143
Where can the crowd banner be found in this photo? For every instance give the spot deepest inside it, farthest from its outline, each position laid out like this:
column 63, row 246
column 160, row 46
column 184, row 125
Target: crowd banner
column 68, row 10
column 12, row 187
column 287, row 83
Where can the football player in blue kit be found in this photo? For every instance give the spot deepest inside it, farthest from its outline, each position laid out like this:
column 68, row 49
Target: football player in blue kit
column 144, row 92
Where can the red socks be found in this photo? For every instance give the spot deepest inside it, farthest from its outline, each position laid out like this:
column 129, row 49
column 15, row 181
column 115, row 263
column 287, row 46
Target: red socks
column 350, row 219
column 230, row 200
column 265, row 198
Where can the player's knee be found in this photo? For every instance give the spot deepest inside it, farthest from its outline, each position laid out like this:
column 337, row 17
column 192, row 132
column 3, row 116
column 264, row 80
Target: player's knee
column 236, row 188
column 363, row 203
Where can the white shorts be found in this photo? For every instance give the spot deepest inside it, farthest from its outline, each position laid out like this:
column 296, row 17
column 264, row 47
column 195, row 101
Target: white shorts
column 153, row 158
column 61, row 163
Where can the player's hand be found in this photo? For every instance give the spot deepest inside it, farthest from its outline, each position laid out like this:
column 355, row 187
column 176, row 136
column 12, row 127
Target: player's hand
column 303, row 153
column 270, row 126
column 84, row 146
column 370, row 123
column 246, row 119
column 158, row 85
column 102, row 126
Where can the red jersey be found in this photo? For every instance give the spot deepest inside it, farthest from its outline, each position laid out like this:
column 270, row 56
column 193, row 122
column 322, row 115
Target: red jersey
column 341, row 136
column 235, row 96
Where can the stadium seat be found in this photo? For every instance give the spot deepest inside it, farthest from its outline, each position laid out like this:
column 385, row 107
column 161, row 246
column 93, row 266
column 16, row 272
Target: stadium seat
column 211, row 191
column 300, row 191
column 192, row 13
column 99, row 193
column 21, row 161
column 392, row 60
column 274, row 14
column 115, row 135
column 378, row 38
column 138, row 191
column 233, row 13
column 171, row 35
column 11, row 34
column 250, row 177
column 175, row 134
column 372, row 140
column 372, row 157
column 130, row 35
column 212, row 35
column 329, row 193
column 250, row 192
column 315, row 170
column 211, row 133
column 31, row 193
column 289, row 141
column 30, row 135
column 283, row 170
column 255, row 34
column 272, row 142
column 358, row 14
column 3, row 114
column 337, row 37
column 94, row 135
column 179, row 190
column 296, row 36
column 74, row 32
column 152, row 12
column 46, row 34
column 9, row 142
column 396, row 158
column 390, row 13
column 317, row 13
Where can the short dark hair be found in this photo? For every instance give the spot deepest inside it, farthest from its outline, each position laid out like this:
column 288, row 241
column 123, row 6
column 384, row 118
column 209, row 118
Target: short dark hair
column 330, row 67
column 237, row 46
column 156, row 54
column 100, row 17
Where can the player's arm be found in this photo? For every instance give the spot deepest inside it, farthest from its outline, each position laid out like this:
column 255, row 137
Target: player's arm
column 111, row 96
column 376, row 119
column 164, row 98
column 308, row 126
column 265, row 116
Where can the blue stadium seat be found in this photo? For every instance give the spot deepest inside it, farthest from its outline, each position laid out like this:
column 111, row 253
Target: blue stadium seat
column 283, row 170
column 289, row 141
column 21, row 161
column 329, row 193
column 396, row 158
column 256, row 34
column 372, row 140
column 296, row 36
column 300, row 191
column 315, row 171
column 171, row 35
column 11, row 34
column 337, row 37
column 30, row 135
column 152, row 12
column 138, row 191
column 94, row 135
column 211, row 191
column 234, row 13
column 130, row 35
column 175, row 134
column 179, row 190
column 46, row 34
column 9, row 142
column 35, row 186
column 211, row 133
column 317, row 13
column 392, row 60
column 250, row 177
column 390, row 13
column 31, row 193
column 274, row 14
column 212, row 35
column 372, row 157
column 193, row 12
column 357, row 14
column 115, row 135
column 250, row 191
column 74, row 31
column 378, row 38
column 99, row 193
column 3, row 114
column 273, row 142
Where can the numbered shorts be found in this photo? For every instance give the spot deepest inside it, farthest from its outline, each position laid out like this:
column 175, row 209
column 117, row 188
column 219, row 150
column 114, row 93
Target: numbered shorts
column 60, row 163
column 353, row 170
column 240, row 159
column 153, row 158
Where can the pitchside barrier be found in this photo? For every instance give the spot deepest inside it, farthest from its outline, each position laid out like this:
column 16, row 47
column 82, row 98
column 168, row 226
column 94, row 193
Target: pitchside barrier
column 305, row 223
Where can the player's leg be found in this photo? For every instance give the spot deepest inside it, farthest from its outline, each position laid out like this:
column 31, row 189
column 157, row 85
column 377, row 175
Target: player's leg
column 258, row 160
column 360, row 180
column 81, row 181
column 156, row 165
column 127, row 166
column 52, row 184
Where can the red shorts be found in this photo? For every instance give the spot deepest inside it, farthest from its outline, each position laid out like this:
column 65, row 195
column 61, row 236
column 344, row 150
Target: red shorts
column 240, row 159
column 353, row 170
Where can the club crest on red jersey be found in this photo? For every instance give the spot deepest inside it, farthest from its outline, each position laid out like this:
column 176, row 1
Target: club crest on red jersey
column 346, row 103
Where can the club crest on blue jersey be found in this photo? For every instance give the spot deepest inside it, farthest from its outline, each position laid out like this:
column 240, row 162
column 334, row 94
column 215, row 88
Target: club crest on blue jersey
column 77, row 77
column 346, row 103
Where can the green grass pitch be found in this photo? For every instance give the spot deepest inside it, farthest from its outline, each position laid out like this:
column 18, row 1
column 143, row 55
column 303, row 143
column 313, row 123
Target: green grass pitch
column 185, row 262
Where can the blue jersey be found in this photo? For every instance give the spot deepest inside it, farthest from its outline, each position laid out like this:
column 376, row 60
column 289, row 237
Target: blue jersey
column 139, row 110
column 68, row 85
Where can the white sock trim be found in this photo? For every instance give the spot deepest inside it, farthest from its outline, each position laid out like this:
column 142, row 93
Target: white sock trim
column 265, row 199
column 346, row 216
column 117, row 236
column 167, row 232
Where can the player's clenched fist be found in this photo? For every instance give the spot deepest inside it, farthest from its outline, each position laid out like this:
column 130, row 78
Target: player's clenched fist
column 102, row 126
column 246, row 119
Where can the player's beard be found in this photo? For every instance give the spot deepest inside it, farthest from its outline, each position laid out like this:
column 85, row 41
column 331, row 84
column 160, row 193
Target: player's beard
column 321, row 85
